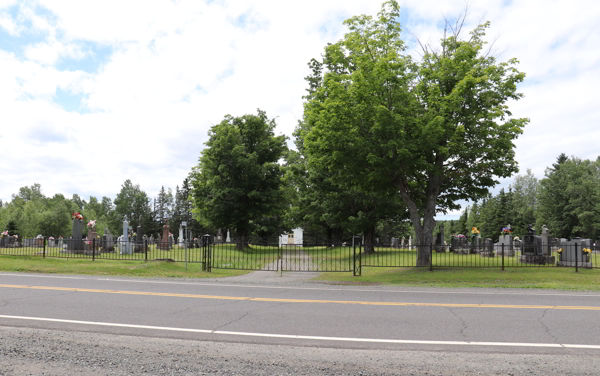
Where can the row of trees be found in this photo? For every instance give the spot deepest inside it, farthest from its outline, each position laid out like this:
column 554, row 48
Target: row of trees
column 31, row 213
column 566, row 200
column 383, row 137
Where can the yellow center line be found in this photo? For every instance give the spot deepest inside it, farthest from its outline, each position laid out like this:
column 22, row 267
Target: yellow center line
column 246, row 298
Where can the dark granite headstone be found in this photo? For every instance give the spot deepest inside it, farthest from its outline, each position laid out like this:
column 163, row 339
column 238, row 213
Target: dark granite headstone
column 75, row 244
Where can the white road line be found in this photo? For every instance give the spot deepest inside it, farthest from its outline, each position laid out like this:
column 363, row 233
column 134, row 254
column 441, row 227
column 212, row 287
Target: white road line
column 315, row 338
column 104, row 279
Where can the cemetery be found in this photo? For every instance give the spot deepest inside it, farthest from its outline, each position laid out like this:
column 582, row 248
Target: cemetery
column 534, row 250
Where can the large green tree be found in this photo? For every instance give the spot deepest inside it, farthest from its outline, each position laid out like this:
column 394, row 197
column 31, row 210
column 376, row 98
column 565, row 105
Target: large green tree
column 238, row 181
column 134, row 203
column 569, row 198
column 437, row 130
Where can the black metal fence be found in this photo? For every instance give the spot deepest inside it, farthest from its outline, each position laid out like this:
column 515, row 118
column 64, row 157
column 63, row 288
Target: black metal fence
column 307, row 258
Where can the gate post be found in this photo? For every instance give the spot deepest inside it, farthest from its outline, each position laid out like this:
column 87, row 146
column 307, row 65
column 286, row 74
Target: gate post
column 44, row 252
column 503, row 256
column 207, row 257
column 357, row 269
column 93, row 249
column 576, row 260
column 430, row 257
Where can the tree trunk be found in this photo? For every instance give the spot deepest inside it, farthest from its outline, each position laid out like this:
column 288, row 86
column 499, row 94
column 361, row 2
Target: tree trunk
column 369, row 234
column 423, row 231
column 242, row 242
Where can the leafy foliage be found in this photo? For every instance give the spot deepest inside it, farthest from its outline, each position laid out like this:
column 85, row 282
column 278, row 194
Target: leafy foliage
column 238, row 181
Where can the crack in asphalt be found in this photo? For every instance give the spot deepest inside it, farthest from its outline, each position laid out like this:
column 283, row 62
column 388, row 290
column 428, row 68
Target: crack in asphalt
column 5, row 302
column 246, row 314
column 463, row 322
column 546, row 326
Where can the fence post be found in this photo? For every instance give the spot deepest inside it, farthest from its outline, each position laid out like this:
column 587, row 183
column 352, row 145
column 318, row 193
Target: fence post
column 93, row 249
column 502, row 256
column 146, row 250
column 576, row 260
column 430, row 257
column 44, row 251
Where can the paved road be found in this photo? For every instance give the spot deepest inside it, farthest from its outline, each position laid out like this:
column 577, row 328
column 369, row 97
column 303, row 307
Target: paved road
column 307, row 315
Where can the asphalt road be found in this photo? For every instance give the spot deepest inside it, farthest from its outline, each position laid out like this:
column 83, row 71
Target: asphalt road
column 307, row 315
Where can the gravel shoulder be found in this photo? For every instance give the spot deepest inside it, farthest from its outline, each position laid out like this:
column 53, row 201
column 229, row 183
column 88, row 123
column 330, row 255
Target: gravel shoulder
column 26, row 351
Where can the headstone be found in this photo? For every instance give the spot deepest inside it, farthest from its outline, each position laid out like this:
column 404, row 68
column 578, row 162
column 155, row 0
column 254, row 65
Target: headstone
column 164, row 240
column 180, row 239
column 75, row 244
column 51, row 243
column 546, row 246
column 108, row 241
column 151, row 239
column 139, row 240
column 60, row 243
column 171, row 241
column 410, row 242
column 573, row 253
column 125, row 245
column 219, row 238
column 507, row 241
column 532, row 249
column 228, row 239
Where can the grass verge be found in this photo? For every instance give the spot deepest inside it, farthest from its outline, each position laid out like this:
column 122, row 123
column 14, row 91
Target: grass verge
column 523, row 277
column 149, row 269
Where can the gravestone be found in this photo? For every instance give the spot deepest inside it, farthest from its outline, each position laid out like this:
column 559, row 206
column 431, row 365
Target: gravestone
column 546, row 246
column 151, row 239
column 125, row 246
column 476, row 244
column 573, row 254
column 75, row 244
column 139, row 240
column 108, row 242
column 507, row 241
column 228, row 239
column 171, row 241
column 180, row 239
column 410, row 242
column 60, row 243
column 91, row 235
column 533, row 250
column 219, row 238
column 164, row 240
column 488, row 248
column 51, row 243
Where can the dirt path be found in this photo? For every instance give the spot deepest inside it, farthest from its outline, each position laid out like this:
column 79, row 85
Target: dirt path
column 294, row 266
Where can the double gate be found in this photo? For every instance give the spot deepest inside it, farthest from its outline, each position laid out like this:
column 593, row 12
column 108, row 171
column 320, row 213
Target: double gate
column 286, row 257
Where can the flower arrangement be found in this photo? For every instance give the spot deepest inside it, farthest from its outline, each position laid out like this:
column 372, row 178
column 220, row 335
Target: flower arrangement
column 91, row 224
column 51, row 238
column 506, row 230
column 39, row 236
column 461, row 236
column 559, row 251
column 77, row 215
column 587, row 250
column 60, row 237
column 3, row 234
column 517, row 238
column 16, row 236
column 475, row 231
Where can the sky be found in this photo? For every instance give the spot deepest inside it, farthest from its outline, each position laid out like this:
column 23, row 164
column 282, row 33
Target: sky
column 96, row 92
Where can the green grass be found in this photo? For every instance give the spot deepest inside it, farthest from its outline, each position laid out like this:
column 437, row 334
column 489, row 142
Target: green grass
column 150, row 269
column 526, row 277
column 450, row 270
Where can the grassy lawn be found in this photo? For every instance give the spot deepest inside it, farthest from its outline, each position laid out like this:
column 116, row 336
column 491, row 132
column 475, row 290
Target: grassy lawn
column 450, row 270
column 150, row 269
column 526, row 277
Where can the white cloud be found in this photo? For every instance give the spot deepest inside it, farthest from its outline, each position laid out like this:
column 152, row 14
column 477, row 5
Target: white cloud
column 176, row 67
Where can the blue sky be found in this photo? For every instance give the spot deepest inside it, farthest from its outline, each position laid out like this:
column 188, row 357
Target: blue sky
column 92, row 94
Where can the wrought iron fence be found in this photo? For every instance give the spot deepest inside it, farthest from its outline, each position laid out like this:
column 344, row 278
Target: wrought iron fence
column 309, row 258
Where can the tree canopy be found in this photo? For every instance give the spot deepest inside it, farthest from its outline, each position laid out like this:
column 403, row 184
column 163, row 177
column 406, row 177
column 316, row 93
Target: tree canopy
column 237, row 183
column 436, row 130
